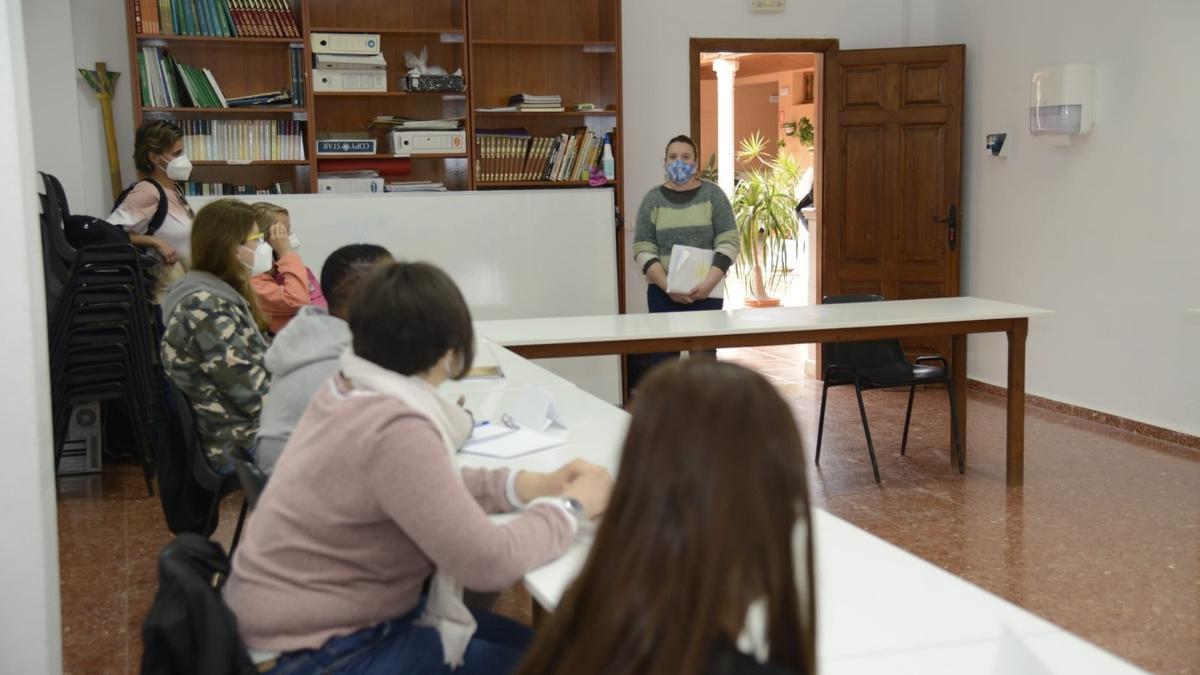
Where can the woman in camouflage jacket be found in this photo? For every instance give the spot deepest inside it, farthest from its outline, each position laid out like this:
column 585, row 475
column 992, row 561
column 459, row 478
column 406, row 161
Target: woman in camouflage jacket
column 213, row 346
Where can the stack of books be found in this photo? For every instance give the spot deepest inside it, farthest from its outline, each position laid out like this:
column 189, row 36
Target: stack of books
column 166, row 83
column 218, row 189
column 169, row 84
column 515, row 156
column 536, row 103
column 243, row 140
column 215, row 18
column 415, row 186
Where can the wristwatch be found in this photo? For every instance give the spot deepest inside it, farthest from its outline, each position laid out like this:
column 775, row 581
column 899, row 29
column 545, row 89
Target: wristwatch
column 574, row 507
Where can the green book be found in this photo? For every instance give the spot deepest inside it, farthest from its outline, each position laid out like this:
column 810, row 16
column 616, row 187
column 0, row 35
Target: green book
column 210, row 17
column 227, row 14
column 181, row 69
column 193, row 23
column 168, row 68
column 141, row 62
column 202, row 17
column 165, row 17
column 200, row 95
column 206, row 86
column 177, row 17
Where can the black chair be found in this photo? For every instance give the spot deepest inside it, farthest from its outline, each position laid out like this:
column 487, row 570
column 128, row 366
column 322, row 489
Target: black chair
column 881, row 364
column 103, row 330
column 251, row 477
column 202, row 472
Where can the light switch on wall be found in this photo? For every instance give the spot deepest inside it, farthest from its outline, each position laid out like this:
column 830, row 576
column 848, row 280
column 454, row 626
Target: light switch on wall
column 764, row 6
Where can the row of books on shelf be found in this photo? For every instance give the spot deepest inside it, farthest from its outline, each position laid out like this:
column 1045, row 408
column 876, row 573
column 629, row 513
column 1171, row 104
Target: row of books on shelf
column 167, row 83
column 220, row 189
column 243, row 140
column 516, row 156
column 215, row 18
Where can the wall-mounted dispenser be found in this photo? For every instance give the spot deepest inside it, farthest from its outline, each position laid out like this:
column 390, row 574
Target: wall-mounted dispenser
column 1063, row 100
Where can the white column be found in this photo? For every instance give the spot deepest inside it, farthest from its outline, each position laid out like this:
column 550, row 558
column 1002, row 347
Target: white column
column 726, row 70
column 30, row 629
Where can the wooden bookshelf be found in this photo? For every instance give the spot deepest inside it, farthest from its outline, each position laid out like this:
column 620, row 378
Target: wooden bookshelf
column 242, row 66
column 567, row 47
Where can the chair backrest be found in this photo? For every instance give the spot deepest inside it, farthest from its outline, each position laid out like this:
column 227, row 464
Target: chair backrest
column 861, row 354
column 189, row 629
column 251, row 477
column 186, row 482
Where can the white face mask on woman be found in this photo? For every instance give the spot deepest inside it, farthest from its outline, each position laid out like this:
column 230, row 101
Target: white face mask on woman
column 256, row 258
column 179, row 169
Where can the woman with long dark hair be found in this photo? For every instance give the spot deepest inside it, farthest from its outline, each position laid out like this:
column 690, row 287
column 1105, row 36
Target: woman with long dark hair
column 702, row 564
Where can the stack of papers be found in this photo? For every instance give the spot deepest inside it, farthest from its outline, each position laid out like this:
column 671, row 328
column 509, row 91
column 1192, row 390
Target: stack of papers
column 504, row 442
column 397, row 122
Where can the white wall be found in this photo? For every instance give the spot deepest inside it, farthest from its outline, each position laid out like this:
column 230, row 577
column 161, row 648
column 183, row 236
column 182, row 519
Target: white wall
column 1104, row 232
column 655, row 70
column 98, row 27
column 68, row 130
column 56, row 138
column 30, row 631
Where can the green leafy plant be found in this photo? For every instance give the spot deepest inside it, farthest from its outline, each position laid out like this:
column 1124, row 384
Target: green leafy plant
column 764, row 207
column 802, row 130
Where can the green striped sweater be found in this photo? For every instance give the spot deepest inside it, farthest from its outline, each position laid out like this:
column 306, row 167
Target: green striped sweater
column 701, row 218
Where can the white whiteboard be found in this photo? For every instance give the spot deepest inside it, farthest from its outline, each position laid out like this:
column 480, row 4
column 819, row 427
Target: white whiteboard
column 515, row 254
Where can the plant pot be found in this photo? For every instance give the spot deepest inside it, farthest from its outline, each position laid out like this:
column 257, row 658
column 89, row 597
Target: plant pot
column 758, row 291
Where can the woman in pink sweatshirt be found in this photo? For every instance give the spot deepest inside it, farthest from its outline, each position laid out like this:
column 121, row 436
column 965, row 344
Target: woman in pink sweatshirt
column 368, row 503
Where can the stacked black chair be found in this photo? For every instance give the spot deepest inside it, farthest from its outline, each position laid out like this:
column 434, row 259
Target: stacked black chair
column 881, row 364
column 103, row 329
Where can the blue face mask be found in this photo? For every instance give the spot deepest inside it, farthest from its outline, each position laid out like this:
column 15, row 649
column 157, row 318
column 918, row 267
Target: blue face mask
column 680, row 172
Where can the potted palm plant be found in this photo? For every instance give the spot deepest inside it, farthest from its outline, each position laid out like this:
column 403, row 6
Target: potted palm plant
column 764, row 207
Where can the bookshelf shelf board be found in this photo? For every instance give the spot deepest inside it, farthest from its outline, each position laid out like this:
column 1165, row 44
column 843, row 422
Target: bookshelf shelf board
column 568, row 113
column 386, row 31
column 257, row 162
column 322, row 94
column 547, row 43
column 538, row 184
column 163, row 38
column 251, row 110
column 387, row 156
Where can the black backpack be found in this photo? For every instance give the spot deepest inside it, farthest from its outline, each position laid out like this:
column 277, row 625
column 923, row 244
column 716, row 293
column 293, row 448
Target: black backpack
column 91, row 231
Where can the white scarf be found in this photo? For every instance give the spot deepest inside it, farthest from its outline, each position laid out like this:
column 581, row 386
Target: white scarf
column 444, row 610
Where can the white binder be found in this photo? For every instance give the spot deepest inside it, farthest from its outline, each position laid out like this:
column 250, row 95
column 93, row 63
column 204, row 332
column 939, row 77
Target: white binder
column 345, row 43
column 350, row 80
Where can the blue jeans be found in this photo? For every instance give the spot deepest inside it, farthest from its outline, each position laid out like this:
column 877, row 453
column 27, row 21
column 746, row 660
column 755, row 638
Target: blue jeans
column 396, row 647
column 657, row 300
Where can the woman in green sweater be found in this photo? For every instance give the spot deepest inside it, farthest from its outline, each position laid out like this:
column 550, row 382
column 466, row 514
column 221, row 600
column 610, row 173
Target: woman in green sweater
column 688, row 211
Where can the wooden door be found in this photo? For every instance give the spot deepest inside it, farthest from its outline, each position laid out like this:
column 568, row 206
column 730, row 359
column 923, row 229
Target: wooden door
column 892, row 132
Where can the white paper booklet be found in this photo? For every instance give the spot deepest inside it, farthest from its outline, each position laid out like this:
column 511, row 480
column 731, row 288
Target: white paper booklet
column 689, row 266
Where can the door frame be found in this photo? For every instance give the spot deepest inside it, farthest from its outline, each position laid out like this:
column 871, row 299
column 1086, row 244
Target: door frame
column 821, row 47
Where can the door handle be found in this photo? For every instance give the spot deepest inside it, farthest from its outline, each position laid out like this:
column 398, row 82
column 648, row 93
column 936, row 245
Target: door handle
column 951, row 227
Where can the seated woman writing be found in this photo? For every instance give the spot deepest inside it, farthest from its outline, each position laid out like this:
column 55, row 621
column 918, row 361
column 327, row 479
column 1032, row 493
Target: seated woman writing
column 703, row 563
column 368, row 502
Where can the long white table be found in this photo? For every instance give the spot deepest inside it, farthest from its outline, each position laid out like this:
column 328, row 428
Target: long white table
column 678, row 331
column 880, row 609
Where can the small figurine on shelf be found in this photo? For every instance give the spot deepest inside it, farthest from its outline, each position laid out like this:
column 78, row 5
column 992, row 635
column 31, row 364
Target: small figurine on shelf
column 417, row 66
column 423, row 77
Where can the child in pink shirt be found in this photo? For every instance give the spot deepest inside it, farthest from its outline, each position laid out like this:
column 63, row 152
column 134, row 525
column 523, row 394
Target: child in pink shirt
column 288, row 285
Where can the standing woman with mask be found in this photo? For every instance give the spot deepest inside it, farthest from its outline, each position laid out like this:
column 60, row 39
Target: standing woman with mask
column 213, row 346
column 164, row 169
column 688, row 211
